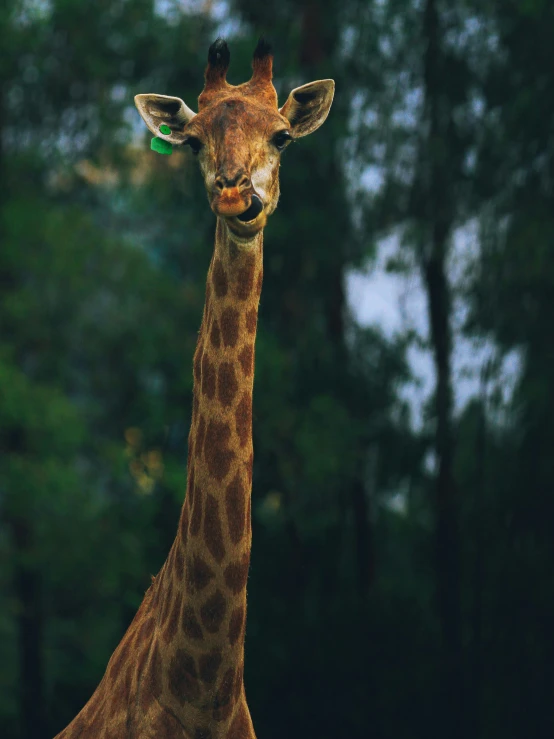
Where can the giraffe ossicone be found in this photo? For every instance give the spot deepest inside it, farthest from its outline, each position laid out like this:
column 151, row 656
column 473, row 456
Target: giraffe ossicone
column 178, row 671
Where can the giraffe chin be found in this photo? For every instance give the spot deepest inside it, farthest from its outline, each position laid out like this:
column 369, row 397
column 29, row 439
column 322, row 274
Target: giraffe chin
column 245, row 231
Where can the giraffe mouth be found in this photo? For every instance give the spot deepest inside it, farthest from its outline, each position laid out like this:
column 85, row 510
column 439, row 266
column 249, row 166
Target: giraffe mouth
column 253, row 211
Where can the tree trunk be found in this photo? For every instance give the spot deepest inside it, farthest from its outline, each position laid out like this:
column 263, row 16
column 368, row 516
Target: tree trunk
column 479, row 514
column 439, row 220
column 447, row 535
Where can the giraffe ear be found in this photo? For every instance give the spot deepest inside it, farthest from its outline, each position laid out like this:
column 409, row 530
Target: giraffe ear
column 308, row 106
column 158, row 110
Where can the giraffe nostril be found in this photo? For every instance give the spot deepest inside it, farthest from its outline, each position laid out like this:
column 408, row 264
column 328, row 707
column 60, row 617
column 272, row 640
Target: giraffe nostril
column 244, row 182
column 240, row 181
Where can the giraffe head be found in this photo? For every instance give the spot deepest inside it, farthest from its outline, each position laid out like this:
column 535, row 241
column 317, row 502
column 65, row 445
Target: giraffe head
column 239, row 134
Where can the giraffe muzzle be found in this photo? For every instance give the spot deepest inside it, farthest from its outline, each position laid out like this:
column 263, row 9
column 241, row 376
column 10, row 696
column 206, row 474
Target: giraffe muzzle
column 253, row 211
column 250, row 221
column 233, row 202
column 230, row 202
column 239, row 207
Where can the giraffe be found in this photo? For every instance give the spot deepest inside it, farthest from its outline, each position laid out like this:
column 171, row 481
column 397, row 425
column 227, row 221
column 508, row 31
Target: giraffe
column 178, row 671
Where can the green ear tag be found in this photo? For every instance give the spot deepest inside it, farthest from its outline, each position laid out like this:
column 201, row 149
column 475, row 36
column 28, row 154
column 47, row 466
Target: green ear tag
column 165, row 129
column 161, row 146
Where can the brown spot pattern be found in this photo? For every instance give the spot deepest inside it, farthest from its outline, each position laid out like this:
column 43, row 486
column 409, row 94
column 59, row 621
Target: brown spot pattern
column 219, row 279
column 119, row 660
column 145, row 697
column 236, row 574
column 154, row 677
column 183, row 677
column 227, row 384
column 251, row 320
column 94, row 725
column 208, row 377
column 245, row 281
column 216, row 452
column 128, row 681
column 236, row 623
column 184, row 525
column 243, row 418
column 115, row 731
column 170, row 630
column 215, row 335
column 196, row 518
column 179, row 562
column 248, row 466
column 200, row 437
column 207, row 303
column 191, row 627
column 145, row 632
column 259, row 282
column 246, row 359
column 212, row 529
column 235, row 508
column 239, row 680
column 212, row 612
column 199, row 574
column 197, row 364
column 220, row 713
column 166, row 605
column 156, row 598
column 240, row 728
column 142, row 656
column 208, row 665
column 170, row 558
column 162, row 726
column 230, row 327
column 222, row 705
column 119, row 692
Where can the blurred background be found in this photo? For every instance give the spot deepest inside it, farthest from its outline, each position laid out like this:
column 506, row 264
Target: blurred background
column 402, row 579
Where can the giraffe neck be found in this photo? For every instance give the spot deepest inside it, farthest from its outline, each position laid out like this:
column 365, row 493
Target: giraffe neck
column 201, row 591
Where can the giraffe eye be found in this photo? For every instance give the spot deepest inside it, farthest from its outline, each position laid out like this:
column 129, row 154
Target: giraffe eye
column 281, row 139
column 194, row 143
